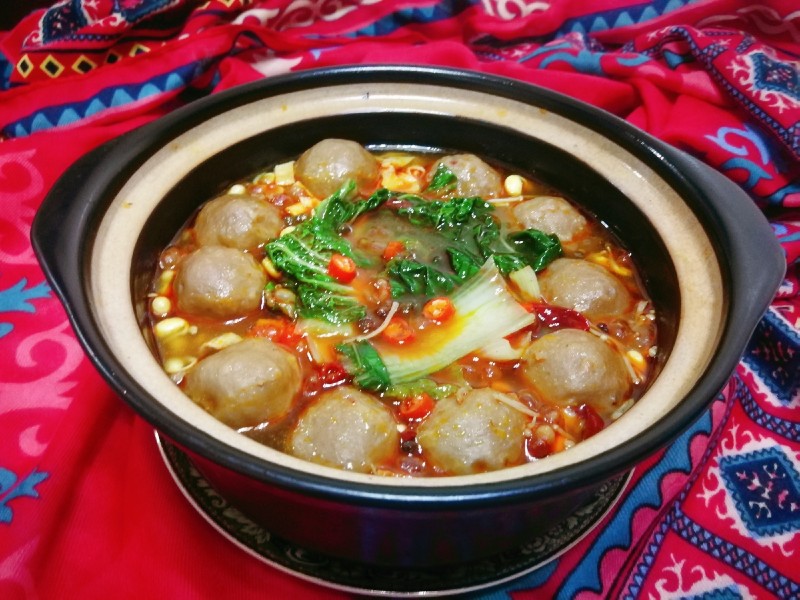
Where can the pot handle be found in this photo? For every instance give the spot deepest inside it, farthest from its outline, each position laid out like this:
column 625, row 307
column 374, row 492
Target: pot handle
column 63, row 224
column 749, row 242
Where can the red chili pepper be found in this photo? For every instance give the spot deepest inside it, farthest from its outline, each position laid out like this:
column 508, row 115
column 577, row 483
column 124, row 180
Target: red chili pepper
column 438, row 309
column 416, row 407
column 398, row 331
column 592, row 421
column 538, row 448
column 558, row 317
column 332, row 374
column 342, row 268
column 408, row 434
column 393, row 249
column 273, row 329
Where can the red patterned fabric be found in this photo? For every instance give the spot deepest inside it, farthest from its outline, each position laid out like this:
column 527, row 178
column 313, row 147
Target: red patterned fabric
column 87, row 509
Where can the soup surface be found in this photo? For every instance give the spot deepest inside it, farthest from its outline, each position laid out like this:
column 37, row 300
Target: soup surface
column 402, row 314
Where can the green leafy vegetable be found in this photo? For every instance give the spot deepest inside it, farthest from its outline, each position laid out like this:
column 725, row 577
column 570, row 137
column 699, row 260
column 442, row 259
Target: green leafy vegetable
column 471, row 235
column 340, row 208
column 411, row 276
column 443, row 179
column 448, row 216
column 364, row 363
column 485, row 310
column 303, row 256
column 528, row 248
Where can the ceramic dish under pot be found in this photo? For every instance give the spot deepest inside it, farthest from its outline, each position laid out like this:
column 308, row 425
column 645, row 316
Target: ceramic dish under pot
column 692, row 232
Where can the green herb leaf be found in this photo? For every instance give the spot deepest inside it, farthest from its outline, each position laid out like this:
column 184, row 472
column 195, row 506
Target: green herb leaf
column 534, row 247
column 447, row 216
column 413, row 277
column 328, row 305
column 303, row 256
column 464, row 264
column 486, row 310
column 443, row 179
column 471, row 235
column 339, row 208
column 364, row 363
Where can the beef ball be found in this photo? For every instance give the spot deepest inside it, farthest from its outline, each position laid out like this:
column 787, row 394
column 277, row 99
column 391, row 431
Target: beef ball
column 574, row 367
column 473, row 434
column 550, row 214
column 237, row 221
column 249, row 383
column 220, row 282
column 347, row 429
column 329, row 164
column 584, row 286
column 474, row 177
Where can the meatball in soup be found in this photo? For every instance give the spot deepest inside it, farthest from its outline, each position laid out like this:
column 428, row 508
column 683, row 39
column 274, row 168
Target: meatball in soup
column 402, row 314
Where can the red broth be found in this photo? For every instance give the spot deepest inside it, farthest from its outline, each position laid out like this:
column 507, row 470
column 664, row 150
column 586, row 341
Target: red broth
column 403, row 272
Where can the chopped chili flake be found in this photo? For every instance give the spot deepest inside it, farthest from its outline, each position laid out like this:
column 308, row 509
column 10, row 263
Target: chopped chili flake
column 276, row 330
column 398, row 331
column 331, row 374
column 438, row 309
column 393, row 249
column 592, row 421
column 342, row 268
column 416, row 407
column 558, row 317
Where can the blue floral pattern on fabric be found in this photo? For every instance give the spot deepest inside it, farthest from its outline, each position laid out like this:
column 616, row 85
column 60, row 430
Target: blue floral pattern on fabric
column 726, row 552
column 17, row 299
column 12, row 488
column 771, row 356
column 775, row 76
column 765, row 487
column 726, row 593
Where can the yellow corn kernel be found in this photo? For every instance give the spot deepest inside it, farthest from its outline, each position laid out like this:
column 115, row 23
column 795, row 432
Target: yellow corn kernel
column 302, row 191
column 161, row 306
column 404, row 181
column 545, row 433
column 237, row 189
column 297, row 209
column 269, row 267
column 179, row 364
column 171, row 326
column 637, row 360
column 513, row 185
column 223, row 341
column 602, row 259
column 284, row 173
column 307, row 201
column 164, row 280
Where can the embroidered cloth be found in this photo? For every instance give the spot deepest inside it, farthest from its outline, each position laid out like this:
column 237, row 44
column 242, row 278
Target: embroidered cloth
column 87, row 506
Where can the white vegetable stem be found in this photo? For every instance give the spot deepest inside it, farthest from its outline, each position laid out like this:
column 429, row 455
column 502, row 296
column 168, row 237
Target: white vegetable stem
column 485, row 310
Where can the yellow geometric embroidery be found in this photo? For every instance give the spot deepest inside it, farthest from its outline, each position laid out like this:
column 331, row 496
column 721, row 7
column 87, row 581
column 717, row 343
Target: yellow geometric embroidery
column 24, row 66
column 51, row 66
column 138, row 49
column 83, row 65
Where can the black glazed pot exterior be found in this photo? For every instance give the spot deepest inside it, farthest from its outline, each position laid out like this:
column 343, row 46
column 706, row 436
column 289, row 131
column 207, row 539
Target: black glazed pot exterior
column 388, row 534
column 375, row 523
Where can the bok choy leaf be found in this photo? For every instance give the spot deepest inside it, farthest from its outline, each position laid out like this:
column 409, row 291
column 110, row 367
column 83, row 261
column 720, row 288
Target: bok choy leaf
column 485, row 310
column 303, row 255
column 471, row 235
